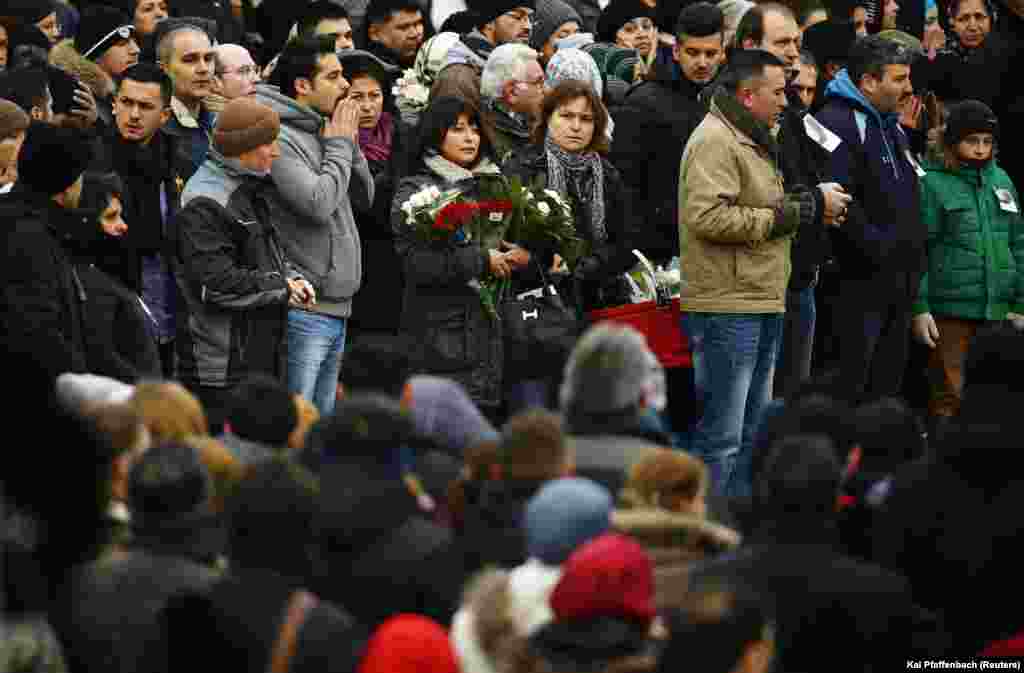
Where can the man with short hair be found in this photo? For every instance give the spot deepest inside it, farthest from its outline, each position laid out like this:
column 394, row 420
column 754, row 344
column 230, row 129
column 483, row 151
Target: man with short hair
column 736, row 223
column 829, row 42
column 394, row 31
column 321, row 174
column 235, row 74
column 501, row 22
column 28, row 88
column 185, row 53
column 142, row 152
column 553, row 20
column 229, row 264
column 328, row 17
column 881, row 250
column 656, row 119
column 41, row 301
column 772, row 27
column 511, row 89
column 13, row 124
column 806, row 83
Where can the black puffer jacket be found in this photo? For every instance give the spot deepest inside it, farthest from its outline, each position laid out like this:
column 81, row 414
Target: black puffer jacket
column 454, row 336
column 614, row 255
column 652, row 126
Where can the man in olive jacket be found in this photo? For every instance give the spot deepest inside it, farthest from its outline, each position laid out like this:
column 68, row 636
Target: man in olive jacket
column 736, row 225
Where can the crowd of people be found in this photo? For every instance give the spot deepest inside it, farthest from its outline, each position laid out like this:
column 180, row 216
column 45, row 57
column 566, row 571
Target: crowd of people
column 256, row 261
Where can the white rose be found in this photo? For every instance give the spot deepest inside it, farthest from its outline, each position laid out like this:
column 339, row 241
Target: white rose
column 544, row 208
column 420, row 199
column 553, row 194
column 528, row 196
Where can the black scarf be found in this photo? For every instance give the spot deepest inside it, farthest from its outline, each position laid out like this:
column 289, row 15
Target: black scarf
column 143, row 168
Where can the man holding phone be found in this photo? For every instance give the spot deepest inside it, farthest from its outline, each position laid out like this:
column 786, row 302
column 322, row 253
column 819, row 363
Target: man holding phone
column 321, row 174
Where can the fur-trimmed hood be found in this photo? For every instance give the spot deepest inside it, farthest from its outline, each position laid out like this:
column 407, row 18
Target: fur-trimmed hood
column 65, row 56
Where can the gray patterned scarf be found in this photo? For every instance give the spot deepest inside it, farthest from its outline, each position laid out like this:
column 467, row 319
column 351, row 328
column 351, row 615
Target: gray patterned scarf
column 580, row 176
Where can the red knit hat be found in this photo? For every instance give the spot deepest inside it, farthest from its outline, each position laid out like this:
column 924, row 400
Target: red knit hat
column 610, row 576
column 409, row 644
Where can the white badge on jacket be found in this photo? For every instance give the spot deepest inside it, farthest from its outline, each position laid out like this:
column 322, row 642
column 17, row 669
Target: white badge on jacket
column 820, row 134
column 913, row 162
column 1006, row 200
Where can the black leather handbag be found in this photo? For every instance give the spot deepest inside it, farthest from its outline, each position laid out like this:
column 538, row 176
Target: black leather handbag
column 540, row 328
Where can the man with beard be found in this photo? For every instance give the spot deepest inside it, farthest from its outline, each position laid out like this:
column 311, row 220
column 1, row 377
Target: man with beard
column 880, row 248
column 656, row 119
column 142, row 152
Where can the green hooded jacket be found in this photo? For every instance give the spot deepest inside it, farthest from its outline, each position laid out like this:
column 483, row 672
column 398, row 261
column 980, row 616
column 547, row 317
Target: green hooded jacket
column 975, row 243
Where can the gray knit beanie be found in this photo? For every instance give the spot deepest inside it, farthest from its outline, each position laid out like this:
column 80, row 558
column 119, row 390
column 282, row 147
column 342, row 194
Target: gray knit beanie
column 547, row 19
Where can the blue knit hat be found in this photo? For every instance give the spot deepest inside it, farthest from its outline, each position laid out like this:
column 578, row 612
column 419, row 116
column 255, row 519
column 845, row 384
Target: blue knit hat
column 564, row 514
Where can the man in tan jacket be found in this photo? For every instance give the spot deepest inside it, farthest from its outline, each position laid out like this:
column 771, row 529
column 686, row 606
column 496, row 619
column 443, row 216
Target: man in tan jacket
column 736, row 225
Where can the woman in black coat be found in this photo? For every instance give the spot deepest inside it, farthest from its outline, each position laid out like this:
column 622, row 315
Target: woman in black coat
column 568, row 156
column 442, row 310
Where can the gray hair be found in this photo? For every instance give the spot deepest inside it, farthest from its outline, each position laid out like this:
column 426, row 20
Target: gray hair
column 218, row 55
column 506, row 64
column 165, row 47
column 610, row 370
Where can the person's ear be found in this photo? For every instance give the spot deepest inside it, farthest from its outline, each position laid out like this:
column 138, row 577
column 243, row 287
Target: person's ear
column 303, row 86
column 488, row 31
column 677, row 52
column 374, row 32
column 37, row 113
column 165, row 116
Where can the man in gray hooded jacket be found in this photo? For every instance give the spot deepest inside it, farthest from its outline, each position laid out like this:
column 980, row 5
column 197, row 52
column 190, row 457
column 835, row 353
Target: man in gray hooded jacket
column 321, row 168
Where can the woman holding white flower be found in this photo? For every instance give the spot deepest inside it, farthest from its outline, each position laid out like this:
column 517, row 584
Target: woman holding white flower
column 568, row 157
column 442, row 310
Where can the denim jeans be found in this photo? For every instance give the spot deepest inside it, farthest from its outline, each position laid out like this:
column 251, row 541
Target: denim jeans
column 733, row 366
column 797, row 344
column 316, row 343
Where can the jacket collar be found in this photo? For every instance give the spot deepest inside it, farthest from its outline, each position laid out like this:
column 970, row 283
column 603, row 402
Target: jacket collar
column 725, row 106
column 187, row 119
column 671, row 76
column 843, row 88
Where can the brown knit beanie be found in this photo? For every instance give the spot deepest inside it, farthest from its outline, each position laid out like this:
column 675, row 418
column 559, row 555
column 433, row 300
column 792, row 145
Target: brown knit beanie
column 244, row 125
column 13, row 119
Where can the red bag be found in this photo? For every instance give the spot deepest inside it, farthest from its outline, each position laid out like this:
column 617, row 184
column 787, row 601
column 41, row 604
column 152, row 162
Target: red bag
column 660, row 324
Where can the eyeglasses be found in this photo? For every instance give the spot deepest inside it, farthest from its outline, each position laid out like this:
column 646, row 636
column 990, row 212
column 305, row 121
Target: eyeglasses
column 122, row 32
column 245, row 72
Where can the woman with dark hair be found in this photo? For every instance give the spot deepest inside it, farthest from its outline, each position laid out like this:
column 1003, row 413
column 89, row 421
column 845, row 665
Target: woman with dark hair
column 117, row 343
column 442, row 308
column 383, row 139
column 568, row 155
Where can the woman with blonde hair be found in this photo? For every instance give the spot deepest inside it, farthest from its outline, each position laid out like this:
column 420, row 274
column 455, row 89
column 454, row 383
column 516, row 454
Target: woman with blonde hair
column 170, row 412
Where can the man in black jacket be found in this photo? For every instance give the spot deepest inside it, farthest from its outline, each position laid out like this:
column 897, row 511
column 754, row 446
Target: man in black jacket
column 41, row 300
column 657, row 118
column 229, row 266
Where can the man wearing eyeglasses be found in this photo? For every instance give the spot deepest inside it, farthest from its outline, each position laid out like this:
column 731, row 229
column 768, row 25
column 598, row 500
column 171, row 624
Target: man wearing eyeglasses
column 99, row 55
column 235, row 75
column 512, row 89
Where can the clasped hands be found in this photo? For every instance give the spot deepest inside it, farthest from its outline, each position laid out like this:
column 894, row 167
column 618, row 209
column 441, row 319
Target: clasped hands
column 300, row 292
column 509, row 258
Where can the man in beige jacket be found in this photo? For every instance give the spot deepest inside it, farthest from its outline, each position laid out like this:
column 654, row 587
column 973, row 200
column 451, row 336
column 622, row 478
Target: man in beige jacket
column 736, row 225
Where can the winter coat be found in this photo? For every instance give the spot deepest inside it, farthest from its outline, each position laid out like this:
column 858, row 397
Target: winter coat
column 824, row 602
column 454, row 336
column 321, row 179
column 191, row 136
column 606, row 446
column 108, row 613
column 883, row 230
column 492, row 532
column 975, row 247
column 229, row 28
column 730, row 186
column 614, row 254
column 652, row 127
column 43, row 299
column 674, row 542
column 231, row 274
column 385, row 556
column 70, row 60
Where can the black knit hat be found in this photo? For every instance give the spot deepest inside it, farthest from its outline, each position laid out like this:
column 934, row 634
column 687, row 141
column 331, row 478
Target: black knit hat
column 489, row 10
column 830, row 40
column 168, row 483
column 52, row 158
column 549, row 17
column 100, row 29
column 29, row 11
column 967, row 117
column 619, row 13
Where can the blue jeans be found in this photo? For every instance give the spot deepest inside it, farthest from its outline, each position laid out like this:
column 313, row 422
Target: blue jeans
column 316, row 343
column 733, row 367
column 797, row 345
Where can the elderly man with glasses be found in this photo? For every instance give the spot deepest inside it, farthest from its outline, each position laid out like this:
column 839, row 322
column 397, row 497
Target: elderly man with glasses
column 235, row 75
column 512, row 88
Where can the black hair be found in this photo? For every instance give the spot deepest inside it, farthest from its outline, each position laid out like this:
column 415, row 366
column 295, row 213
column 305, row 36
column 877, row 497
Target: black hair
column 460, row 22
column 150, row 73
column 366, row 429
column 870, row 55
column 889, row 435
column 319, row 11
column 814, row 413
column 700, row 19
column 713, row 627
column 26, row 86
column 800, row 480
column 441, row 115
column 98, row 189
column 372, row 366
column 746, row 65
column 380, row 11
column 261, row 409
column 807, row 59
column 300, row 59
column 751, row 26
column 995, row 357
